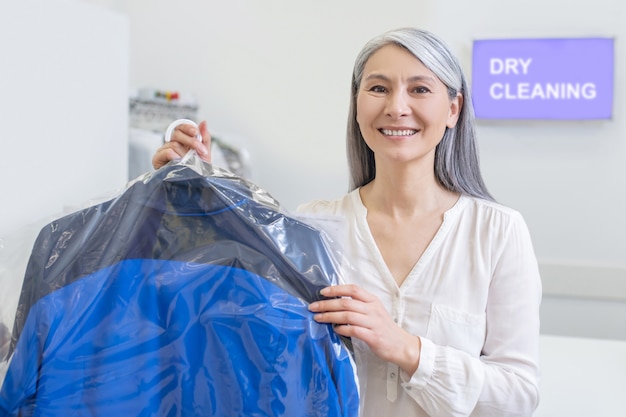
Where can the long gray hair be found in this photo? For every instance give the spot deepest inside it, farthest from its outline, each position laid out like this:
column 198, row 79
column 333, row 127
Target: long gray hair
column 456, row 156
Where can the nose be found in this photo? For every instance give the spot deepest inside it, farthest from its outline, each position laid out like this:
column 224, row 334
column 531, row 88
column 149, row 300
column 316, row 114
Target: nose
column 397, row 105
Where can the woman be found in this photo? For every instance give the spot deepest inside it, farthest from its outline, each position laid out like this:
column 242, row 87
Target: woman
column 442, row 294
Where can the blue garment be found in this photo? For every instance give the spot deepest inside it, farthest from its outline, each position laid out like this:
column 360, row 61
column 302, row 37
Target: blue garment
column 186, row 295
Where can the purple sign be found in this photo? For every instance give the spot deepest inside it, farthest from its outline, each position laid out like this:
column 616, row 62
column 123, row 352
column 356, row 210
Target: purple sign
column 566, row 79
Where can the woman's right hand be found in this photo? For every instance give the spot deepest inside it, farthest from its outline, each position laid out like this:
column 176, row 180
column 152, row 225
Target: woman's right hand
column 184, row 138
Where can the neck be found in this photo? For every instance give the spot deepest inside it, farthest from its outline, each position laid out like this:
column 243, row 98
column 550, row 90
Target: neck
column 405, row 193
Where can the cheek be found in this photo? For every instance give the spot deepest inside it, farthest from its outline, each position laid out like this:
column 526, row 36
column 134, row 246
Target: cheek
column 439, row 115
column 359, row 109
column 363, row 111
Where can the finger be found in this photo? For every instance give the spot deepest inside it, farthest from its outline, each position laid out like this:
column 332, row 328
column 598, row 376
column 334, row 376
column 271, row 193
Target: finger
column 205, row 149
column 163, row 156
column 188, row 129
column 343, row 318
column 352, row 331
column 348, row 290
column 166, row 153
column 186, row 135
column 338, row 304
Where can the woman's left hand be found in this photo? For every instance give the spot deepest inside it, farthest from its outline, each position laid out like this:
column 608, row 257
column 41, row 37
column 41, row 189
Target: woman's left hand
column 357, row 313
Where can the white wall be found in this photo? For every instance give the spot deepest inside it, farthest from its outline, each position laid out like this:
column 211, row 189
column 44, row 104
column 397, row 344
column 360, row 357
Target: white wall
column 64, row 78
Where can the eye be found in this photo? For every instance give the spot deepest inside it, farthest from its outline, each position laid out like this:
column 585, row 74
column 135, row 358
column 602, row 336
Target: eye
column 377, row 89
column 421, row 90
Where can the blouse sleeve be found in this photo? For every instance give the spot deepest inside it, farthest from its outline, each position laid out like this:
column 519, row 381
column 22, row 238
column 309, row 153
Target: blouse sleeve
column 503, row 381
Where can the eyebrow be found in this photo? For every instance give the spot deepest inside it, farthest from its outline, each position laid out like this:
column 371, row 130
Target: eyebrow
column 414, row 78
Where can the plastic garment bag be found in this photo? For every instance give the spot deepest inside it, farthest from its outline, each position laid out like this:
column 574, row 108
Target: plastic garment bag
column 186, row 294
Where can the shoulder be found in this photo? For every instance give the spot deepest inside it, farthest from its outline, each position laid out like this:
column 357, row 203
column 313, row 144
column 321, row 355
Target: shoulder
column 489, row 211
column 339, row 207
column 494, row 222
column 491, row 220
column 335, row 217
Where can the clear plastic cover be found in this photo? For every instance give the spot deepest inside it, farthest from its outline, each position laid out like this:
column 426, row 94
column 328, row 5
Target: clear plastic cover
column 14, row 253
column 186, row 294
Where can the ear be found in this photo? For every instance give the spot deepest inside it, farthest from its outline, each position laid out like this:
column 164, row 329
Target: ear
column 456, row 104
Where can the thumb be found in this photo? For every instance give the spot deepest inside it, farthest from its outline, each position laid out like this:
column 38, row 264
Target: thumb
column 205, row 153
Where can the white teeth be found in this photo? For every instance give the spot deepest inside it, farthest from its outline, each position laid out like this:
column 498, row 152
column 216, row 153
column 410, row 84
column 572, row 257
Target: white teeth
column 388, row 132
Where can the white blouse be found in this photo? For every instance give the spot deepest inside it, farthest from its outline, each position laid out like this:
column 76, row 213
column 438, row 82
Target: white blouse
column 473, row 298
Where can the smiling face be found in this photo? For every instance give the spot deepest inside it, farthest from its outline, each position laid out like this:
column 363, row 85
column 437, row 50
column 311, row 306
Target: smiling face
column 402, row 108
